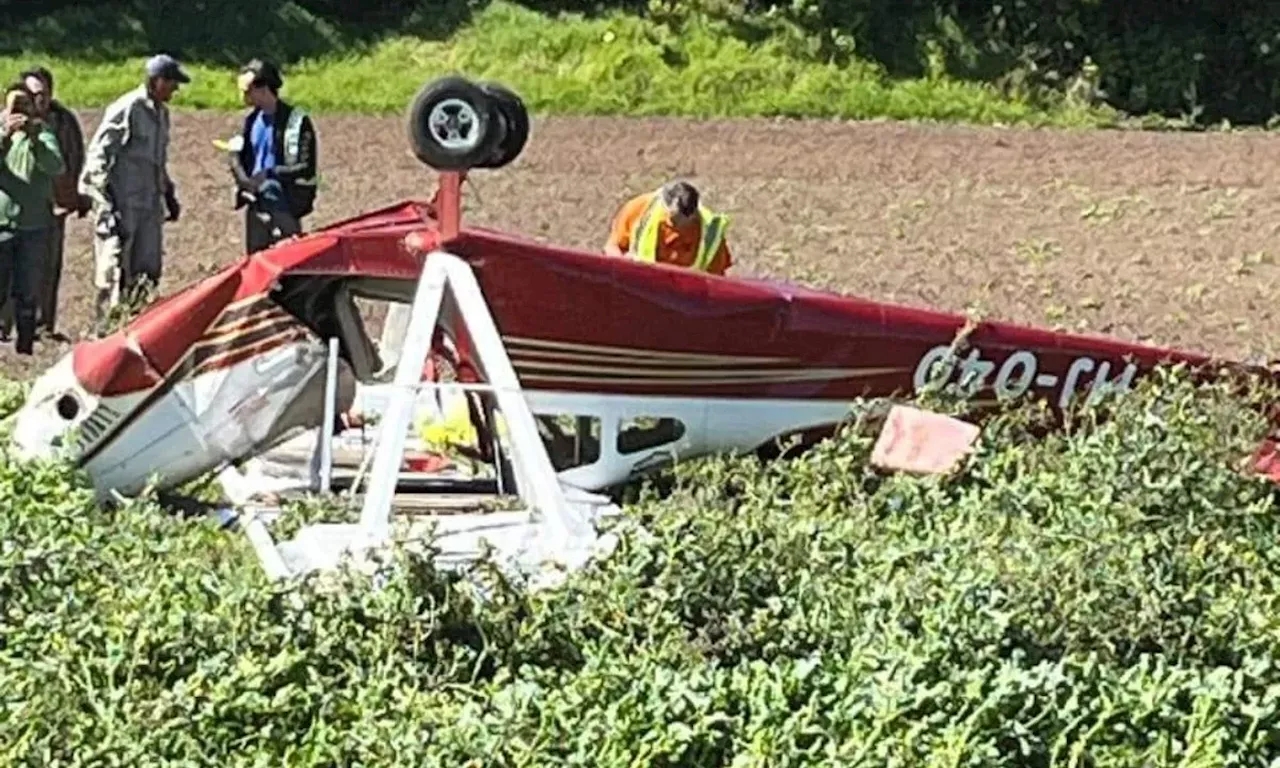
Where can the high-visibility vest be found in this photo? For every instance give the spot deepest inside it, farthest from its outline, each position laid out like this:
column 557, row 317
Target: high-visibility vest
column 644, row 235
column 293, row 142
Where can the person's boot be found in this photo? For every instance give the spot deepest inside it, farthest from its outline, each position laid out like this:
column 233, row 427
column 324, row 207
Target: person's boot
column 25, row 345
column 6, row 321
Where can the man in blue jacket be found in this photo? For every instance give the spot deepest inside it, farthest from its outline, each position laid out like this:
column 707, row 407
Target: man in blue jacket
column 275, row 168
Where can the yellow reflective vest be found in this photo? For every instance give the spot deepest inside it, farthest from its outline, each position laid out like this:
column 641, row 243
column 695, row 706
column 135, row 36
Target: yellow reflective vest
column 293, row 143
column 644, row 234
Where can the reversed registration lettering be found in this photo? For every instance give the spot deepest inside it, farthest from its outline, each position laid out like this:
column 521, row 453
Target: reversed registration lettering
column 1019, row 373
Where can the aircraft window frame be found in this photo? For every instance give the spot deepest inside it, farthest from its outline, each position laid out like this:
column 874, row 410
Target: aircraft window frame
column 665, row 431
column 362, row 354
column 586, row 450
column 380, row 289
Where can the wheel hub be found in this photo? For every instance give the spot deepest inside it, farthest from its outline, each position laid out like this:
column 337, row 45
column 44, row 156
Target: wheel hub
column 455, row 124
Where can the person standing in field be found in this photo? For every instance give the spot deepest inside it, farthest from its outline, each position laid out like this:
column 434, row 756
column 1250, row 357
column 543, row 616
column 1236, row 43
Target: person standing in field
column 66, row 198
column 126, row 177
column 31, row 161
column 275, row 168
column 671, row 226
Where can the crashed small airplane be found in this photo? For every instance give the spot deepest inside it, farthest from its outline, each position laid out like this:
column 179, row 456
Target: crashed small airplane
column 623, row 366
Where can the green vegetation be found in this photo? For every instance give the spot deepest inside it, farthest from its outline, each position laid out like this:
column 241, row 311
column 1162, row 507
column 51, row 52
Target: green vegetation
column 615, row 63
column 1107, row 596
column 1198, row 62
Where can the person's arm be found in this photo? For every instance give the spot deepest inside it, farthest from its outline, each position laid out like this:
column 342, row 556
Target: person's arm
column 71, row 140
column 241, row 176
column 11, row 124
column 239, row 163
column 170, row 189
column 101, row 156
column 620, row 230
column 171, row 204
column 47, row 153
column 305, row 167
column 721, row 262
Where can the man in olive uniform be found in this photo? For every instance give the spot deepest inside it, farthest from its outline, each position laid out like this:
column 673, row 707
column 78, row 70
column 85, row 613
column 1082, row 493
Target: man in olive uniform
column 126, row 177
column 275, row 168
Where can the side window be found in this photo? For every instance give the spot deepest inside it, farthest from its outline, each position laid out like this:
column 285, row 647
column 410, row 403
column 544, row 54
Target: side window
column 572, row 440
column 374, row 315
column 643, row 432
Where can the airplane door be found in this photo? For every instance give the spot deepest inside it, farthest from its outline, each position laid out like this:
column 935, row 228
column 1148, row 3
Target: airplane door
column 259, row 398
column 216, row 417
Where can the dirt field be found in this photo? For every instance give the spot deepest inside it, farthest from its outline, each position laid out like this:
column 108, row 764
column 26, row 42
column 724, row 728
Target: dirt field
column 1164, row 238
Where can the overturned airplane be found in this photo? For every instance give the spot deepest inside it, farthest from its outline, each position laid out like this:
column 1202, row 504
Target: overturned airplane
column 625, row 366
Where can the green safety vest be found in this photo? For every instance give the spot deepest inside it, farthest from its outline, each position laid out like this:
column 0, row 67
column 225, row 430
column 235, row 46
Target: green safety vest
column 293, row 142
column 644, row 236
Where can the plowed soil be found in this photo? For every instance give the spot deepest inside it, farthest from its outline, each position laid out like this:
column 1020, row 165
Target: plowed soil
column 1162, row 238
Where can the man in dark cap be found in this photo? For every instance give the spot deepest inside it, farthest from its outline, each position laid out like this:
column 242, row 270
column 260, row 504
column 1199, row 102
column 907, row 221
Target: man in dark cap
column 126, row 177
column 275, row 166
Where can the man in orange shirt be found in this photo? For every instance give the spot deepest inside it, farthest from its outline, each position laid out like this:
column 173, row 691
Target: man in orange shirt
column 670, row 226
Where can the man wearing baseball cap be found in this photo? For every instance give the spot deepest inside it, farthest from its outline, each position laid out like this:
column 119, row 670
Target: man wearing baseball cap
column 275, row 167
column 126, row 177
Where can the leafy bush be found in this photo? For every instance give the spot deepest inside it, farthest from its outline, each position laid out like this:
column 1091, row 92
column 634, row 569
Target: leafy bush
column 1189, row 59
column 1103, row 596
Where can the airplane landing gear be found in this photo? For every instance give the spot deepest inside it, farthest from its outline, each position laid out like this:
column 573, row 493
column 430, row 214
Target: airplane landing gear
column 455, row 125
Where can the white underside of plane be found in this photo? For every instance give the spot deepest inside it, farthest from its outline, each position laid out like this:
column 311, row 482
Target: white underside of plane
column 213, row 420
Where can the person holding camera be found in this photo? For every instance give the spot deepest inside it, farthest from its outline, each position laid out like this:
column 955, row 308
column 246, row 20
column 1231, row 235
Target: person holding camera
column 31, row 161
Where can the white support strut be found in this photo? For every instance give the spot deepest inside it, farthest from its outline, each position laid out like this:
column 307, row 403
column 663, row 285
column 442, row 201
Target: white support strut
column 324, row 437
column 445, row 274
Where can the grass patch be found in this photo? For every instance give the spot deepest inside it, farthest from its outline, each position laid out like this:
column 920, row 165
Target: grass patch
column 614, row 64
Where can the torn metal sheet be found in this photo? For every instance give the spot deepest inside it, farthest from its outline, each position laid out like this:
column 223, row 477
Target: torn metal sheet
column 923, row 442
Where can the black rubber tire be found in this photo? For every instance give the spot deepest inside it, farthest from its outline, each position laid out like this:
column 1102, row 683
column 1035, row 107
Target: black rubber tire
column 510, row 110
column 485, row 133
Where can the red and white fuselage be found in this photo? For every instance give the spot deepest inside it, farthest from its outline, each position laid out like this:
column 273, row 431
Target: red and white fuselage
column 706, row 364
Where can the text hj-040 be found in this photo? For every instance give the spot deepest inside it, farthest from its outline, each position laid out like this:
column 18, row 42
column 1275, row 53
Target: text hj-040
column 1017, row 374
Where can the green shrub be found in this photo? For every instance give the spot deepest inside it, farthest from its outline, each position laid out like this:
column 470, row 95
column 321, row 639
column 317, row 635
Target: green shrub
column 1103, row 596
column 1194, row 58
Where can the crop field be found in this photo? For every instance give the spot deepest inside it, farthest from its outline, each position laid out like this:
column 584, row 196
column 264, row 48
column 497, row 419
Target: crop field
column 1162, row 237
column 1106, row 596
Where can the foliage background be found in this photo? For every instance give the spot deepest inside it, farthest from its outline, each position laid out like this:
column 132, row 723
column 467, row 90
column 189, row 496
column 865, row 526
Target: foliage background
column 1191, row 59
